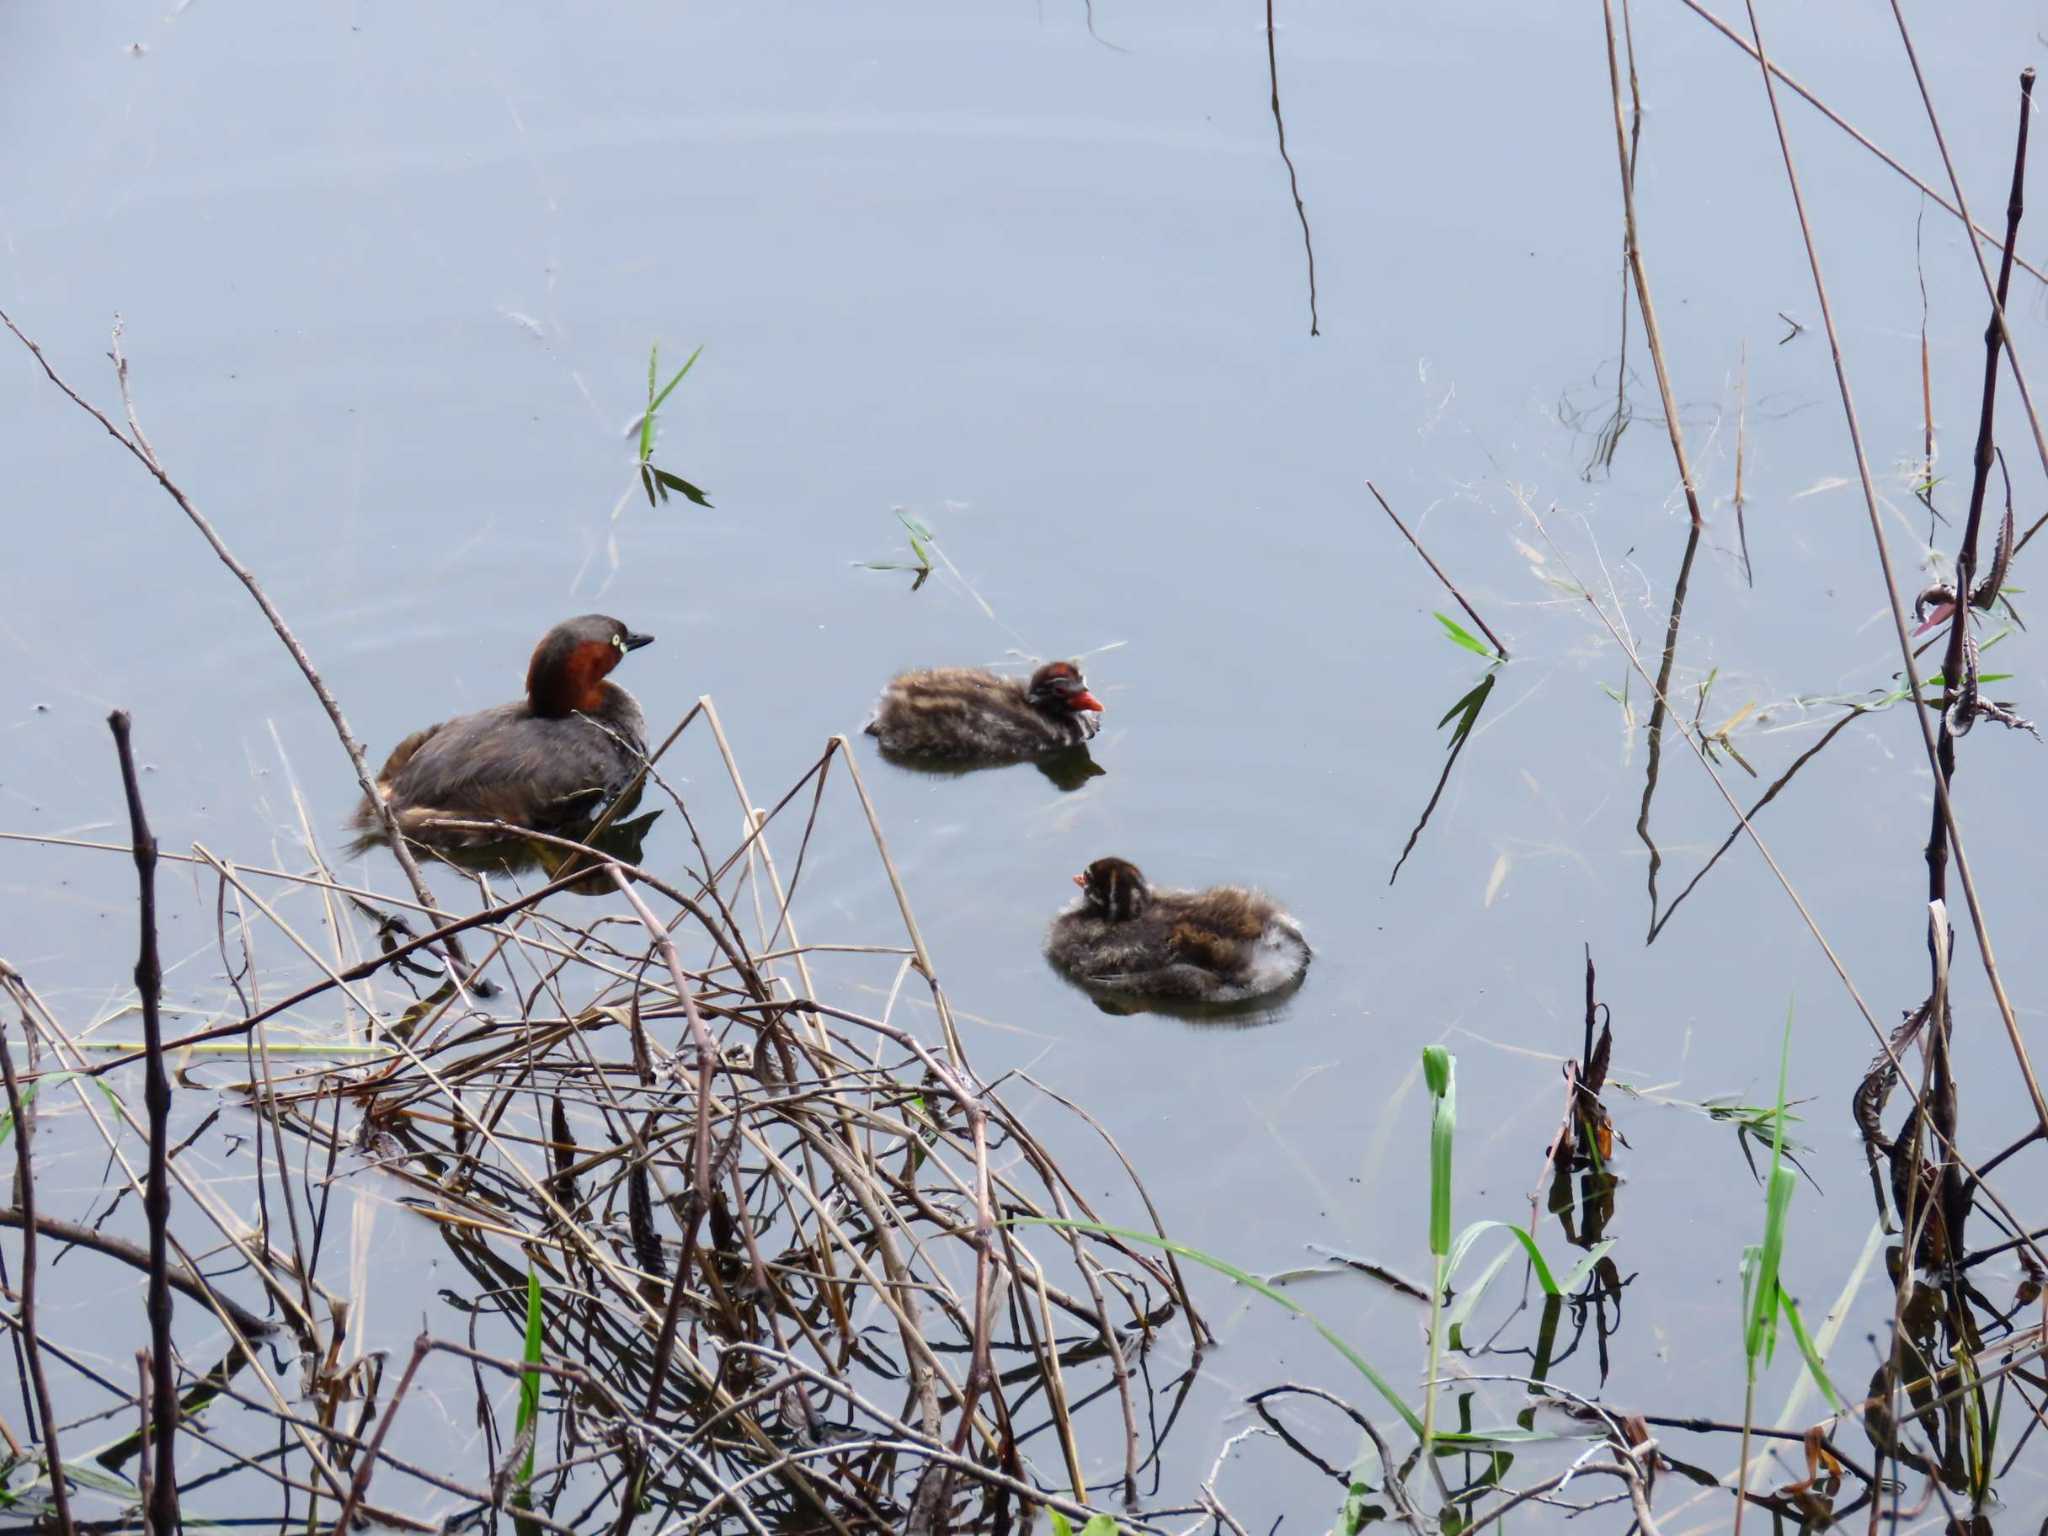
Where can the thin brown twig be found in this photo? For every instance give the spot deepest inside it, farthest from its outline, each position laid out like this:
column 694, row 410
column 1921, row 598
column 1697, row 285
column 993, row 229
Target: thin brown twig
column 1449, row 586
column 1634, row 251
column 1850, row 129
column 139, row 446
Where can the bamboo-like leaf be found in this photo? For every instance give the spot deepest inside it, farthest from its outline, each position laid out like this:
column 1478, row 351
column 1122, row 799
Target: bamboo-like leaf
column 679, row 484
column 1469, row 707
column 1459, row 635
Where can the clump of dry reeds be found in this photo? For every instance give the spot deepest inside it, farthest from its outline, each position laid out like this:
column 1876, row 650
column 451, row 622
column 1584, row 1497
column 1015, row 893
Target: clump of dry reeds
column 739, row 1192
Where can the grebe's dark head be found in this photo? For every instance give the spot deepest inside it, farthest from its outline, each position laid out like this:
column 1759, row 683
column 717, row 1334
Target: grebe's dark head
column 1059, row 689
column 569, row 665
column 1114, row 889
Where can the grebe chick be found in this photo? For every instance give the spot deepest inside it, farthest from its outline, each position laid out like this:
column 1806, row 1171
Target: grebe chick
column 1223, row 945
column 972, row 714
column 545, row 762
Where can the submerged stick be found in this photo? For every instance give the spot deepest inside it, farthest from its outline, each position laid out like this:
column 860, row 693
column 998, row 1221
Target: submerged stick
column 1449, row 586
column 31, row 1342
column 156, row 1195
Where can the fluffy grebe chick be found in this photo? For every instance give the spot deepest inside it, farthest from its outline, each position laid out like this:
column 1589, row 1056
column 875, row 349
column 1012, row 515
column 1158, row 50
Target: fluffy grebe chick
column 972, row 714
column 545, row 761
column 1223, row 945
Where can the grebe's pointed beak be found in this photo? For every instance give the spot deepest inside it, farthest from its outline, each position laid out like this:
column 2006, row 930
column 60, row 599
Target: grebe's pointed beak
column 634, row 642
column 1084, row 700
column 1082, row 881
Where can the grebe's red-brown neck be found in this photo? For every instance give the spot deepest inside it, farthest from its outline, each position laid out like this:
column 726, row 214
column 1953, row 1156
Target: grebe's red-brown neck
column 571, row 662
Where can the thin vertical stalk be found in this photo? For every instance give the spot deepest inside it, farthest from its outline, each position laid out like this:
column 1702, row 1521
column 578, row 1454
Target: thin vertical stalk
column 1978, row 922
column 1954, row 1198
column 1642, row 282
column 156, row 1198
column 26, row 1193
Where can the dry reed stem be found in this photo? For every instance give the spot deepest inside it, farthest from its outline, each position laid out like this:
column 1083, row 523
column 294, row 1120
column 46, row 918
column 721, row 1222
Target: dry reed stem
column 1944, row 802
column 1995, row 292
column 1850, row 129
column 1634, row 252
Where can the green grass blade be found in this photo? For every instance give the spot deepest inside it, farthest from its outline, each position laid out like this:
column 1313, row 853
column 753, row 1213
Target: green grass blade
column 1576, row 1276
column 1468, row 1299
column 647, row 416
column 655, row 402
column 1536, row 1260
column 1441, row 1069
column 1814, row 1365
column 1223, row 1267
column 529, row 1382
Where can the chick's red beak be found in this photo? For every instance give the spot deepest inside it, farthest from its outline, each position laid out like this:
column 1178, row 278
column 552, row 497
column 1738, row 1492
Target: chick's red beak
column 1084, row 700
column 1082, row 881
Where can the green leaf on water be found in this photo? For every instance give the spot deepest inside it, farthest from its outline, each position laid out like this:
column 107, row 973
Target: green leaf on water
column 655, row 402
column 679, row 484
column 529, row 1381
column 1460, row 635
column 1061, row 1525
column 1099, row 1525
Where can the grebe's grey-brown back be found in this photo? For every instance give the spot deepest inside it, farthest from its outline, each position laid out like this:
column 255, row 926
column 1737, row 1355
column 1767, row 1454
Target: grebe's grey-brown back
column 969, row 714
column 547, row 761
